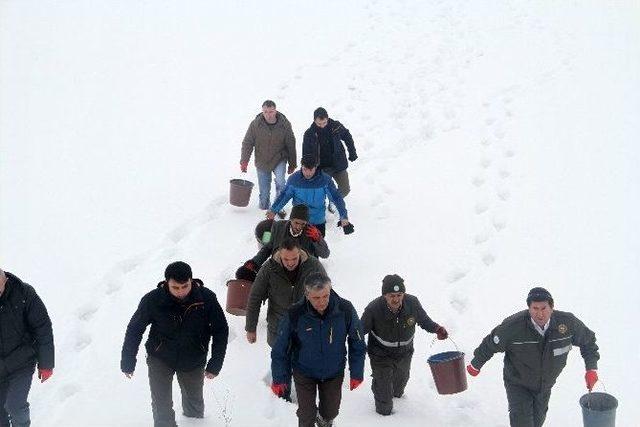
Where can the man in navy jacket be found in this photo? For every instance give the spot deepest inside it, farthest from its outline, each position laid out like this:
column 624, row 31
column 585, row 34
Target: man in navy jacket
column 311, row 347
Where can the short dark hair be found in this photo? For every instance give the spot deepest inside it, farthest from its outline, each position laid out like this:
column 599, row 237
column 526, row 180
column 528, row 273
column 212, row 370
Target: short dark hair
column 320, row 113
column 309, row 161
column 268, row 104
column 178, row 271
column 538, row 295
column 290, row 244
column 316, row 281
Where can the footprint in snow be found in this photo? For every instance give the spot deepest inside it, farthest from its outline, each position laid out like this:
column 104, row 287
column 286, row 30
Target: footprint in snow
column 488, row 259
column 481, row 207
column 499, row 223
column 82, row 341
column 481, row 237
column 86, row 312
column 456, row 275
column 509, row 153
column 485, row 163
column 499, row 133
column 504, row 194
column 113, row 286
column 68, row 390
column 504, row 173
column 478, row 180
column 489, row 121
column 459, row 303
column 485, row 142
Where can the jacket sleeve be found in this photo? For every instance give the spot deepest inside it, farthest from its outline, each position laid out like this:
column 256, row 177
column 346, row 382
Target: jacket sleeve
column 290, row 142
column 280, row 353
column 263, row 254
column 39, row 324
column 423, row 319
column 219, row 337
column 367, row 320
column 585, row 338
column 137, row 325
column 345, row 136
column 284, row 197
column 493, row 343
column 321, row 248
column 247, row 144
column 256, row 296
column 336, row 198
column 357, row 347
column 309, row 144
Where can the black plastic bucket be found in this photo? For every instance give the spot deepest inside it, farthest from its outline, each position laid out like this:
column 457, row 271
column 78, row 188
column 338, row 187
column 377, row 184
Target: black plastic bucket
column 263, row 232
column 240, row 192
column 448, row 372
column 598, row 409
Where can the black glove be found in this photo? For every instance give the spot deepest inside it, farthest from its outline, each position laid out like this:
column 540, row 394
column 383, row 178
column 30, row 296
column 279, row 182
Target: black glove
column 353, row 157
column 247, row 271
column 348, row 229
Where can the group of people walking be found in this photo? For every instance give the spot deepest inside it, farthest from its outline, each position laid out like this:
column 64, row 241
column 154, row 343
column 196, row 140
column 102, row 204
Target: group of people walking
column 314, row 333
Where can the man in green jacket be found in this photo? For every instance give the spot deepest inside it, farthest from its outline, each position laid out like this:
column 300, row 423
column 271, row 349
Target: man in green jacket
column 536, row 343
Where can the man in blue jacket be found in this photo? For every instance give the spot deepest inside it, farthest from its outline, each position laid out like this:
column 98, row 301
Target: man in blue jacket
column 311, row 346
column 310, row 186
column 184, row 317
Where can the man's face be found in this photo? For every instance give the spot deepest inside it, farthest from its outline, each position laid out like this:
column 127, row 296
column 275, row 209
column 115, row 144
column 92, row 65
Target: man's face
column 269, row 114
column 309, row 172
column 290, row 258
column 297, row 225
column 394, row 300
column 319, row 299
column 321, row 123
column 179, row 290
column 540, row 312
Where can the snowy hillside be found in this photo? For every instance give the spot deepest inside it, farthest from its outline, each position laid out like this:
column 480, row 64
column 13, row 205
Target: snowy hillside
column 497, row 146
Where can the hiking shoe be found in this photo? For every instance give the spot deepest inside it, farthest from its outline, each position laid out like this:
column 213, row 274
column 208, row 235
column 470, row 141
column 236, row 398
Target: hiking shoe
column 321, row 422
column 331, row 208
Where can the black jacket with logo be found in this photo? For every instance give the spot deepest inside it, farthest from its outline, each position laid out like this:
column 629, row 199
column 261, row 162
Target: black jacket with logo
column 534, row 361
column 180, row 329
column 26, row 335
column 394, row 327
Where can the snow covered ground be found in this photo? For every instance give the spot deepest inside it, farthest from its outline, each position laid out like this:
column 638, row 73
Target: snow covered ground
column 496, row 152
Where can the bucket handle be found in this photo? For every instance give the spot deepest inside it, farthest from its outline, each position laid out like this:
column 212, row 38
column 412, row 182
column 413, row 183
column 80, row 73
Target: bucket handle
column 596, row 384
column 433, row 341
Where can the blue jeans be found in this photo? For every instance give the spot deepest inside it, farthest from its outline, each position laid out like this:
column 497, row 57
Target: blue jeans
column 14, row 390
column 264, row 183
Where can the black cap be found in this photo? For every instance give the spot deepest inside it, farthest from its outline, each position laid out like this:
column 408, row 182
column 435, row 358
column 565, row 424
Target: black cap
column 539, row 294
column 300, row 212
column 392, row 283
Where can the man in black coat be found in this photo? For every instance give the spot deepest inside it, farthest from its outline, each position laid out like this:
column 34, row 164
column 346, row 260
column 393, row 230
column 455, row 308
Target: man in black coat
column 26, row 338
column 184, row 316
column 324, row 141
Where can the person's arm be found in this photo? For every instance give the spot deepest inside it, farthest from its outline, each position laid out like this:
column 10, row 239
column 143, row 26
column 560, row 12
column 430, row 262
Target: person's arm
column 422, row 318
column 39, row 323
column 585, row 338
column 493, row 343
column 284, row 197
column 256, row 296
column 346, row 137
column 336, row 198
column 367, row 320
column 219, row 337
column 247, row 145
column 357, row 347
column 321, row 248
column 281, row 352
column 290, row 142
column 137, row 325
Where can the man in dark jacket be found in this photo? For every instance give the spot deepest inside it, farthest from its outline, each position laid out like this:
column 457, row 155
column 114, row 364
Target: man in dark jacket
column 184, row 316
column 536, row 343
column 324, row 139
column 297, row 228
column 271, row 135
column 311, row 346
column 390, row 320
column 26, row 338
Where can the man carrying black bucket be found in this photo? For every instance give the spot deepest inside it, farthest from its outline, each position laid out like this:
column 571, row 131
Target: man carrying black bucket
column 297, row 228
column 390, row 321
column 536, row 343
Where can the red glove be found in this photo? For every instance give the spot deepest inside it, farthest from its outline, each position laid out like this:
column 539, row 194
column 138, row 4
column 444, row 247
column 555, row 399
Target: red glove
column 442, row 333
column 354, row 383
column 250, row 265
column 278, row 389
column 591, row 377
column 291, row 169
column 472, row 371
column 313, row 233
column 44, row 374
column 243, row 166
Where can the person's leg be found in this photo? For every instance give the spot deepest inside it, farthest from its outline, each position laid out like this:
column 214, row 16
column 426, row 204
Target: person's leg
column 520, row 405
column 342, row 181
column 279, row 174
column 16, row 404
column 401, row 374
column 321, row 227
column 330, row 394
column 191, row 385
column 306, row 392
column 4, row 417
column 160, row 381
column 382, row 384
column 264, row 188
column 540, row 407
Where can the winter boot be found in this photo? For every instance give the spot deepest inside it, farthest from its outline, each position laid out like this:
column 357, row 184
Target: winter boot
column 321, row 422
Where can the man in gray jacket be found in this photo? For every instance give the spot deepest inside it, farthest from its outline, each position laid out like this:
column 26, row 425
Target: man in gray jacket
column 390, row 320
column 536, row 343
column 271, row 135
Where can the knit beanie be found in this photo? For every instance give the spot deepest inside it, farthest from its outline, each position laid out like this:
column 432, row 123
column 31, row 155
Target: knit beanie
column 392, row 283
column 300, row 212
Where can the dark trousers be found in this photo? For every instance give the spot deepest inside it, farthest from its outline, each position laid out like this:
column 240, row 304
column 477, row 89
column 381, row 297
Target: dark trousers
column 330, row 394
column 160, row 382
column 390, row 377
column 14, row 390
column 527, row 408
column 341, row 178
column 321, row 227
